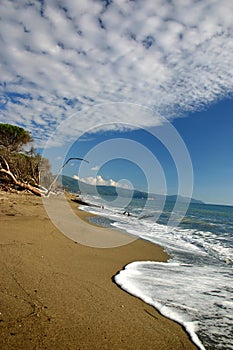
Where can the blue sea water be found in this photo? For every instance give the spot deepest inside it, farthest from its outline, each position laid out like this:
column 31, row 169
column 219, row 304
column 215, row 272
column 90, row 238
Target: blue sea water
column 195, row 286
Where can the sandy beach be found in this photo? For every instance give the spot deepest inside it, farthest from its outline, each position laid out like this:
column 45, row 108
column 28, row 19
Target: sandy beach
column 58, row 294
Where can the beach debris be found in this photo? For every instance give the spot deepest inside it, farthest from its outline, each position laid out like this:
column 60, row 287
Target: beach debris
column 5, row 169
column 78, row 200
column 19, row 164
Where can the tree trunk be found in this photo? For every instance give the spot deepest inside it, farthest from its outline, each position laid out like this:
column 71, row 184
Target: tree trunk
column 19, row 183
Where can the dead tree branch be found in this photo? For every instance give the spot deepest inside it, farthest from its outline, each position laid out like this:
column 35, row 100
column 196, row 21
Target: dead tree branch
column 6, row 170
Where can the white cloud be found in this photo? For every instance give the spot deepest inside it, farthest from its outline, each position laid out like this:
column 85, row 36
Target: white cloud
column 95, row 168
column 113, row 183
column 60, row 57
column 100, row 181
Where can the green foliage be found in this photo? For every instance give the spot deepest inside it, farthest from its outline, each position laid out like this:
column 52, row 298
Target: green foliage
column 13, row 138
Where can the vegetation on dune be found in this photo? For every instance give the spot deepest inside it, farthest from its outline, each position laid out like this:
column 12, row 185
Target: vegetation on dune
column 19, row 169
column 13, row 138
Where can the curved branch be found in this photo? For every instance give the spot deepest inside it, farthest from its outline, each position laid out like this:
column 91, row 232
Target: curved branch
column 5, row 162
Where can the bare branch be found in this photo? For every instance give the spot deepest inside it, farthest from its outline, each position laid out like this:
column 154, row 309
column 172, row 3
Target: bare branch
column 21, row 184
column 5, row 162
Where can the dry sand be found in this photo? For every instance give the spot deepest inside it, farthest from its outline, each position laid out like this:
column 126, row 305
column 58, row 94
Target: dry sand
column 57, row 294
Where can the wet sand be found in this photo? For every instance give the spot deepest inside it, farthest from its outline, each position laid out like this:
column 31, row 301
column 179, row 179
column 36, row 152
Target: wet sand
column 58, row 294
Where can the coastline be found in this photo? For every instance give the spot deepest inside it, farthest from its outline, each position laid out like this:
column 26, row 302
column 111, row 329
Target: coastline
column 58, row 294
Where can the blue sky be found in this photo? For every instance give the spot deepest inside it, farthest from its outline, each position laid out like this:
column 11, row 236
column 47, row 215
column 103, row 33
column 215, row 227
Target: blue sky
column 115, row 66
column 207, row 135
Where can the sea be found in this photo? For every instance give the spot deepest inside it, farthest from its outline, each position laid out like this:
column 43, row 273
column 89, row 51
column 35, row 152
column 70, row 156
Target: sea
column 195, row 286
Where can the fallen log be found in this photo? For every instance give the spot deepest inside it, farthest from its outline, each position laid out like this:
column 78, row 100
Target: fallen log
column 17, row 182
column 80, row 201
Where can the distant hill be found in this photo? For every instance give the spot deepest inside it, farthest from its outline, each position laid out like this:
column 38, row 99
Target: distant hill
column 74, row 186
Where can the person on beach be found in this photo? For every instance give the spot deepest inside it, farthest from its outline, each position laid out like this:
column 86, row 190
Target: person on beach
column 126, row 213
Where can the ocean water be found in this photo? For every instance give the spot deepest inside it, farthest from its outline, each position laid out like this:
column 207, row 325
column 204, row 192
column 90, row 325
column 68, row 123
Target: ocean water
column 195, row 287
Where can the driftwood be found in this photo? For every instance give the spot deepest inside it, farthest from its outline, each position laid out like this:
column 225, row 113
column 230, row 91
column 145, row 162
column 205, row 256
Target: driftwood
column 6, row 170
column 80, row 201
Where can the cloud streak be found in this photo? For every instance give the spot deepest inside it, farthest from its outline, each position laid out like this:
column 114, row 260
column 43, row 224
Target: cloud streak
column 60, row 57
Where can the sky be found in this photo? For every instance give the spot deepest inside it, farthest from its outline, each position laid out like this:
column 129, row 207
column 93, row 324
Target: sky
column 156, row 75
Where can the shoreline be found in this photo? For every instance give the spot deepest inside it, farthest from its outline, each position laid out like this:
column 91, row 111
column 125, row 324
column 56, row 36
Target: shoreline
column 85, row 216
column 58, row 294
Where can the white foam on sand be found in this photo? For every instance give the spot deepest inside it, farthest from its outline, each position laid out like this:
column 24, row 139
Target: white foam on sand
column 131, row 272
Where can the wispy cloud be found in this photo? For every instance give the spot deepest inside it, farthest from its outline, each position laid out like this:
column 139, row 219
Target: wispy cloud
column 60, row 57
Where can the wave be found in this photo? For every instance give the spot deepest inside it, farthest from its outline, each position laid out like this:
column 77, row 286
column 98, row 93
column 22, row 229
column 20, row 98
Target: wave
column 126, row 280
column 194, row 287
